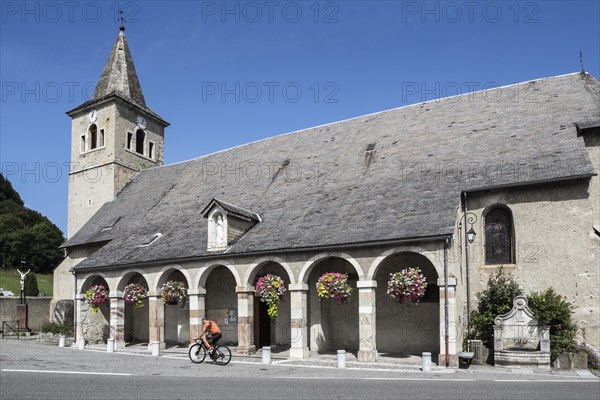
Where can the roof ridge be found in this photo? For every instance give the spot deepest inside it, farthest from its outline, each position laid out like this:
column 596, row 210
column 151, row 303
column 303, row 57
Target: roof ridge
column 360, row 116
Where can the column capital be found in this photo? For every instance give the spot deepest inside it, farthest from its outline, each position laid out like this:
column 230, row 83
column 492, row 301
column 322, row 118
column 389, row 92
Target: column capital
column 298, row 287
column 366, row 284
column 245, row 289
column 115, row 294
column 199, row 292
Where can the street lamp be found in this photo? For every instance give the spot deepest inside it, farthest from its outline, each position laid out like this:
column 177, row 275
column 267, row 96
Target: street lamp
column 471, row 235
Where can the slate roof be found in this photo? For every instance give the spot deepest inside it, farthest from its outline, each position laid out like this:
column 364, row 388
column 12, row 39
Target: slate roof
column 320, row 186
column 119, row 79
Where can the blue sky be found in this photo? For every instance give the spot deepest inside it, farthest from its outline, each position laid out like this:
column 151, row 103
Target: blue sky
column 228, row 73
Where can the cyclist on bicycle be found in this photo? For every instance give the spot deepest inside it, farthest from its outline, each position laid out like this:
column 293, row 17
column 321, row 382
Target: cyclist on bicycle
column 210, row 332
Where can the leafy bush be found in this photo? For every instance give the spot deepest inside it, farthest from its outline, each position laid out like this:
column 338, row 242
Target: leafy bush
column 61, row 329
column 552, row 309
column 496, row 299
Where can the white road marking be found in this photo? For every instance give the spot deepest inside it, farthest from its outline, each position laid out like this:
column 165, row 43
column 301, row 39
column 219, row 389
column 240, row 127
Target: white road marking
column 43, row 371
column 549, row 380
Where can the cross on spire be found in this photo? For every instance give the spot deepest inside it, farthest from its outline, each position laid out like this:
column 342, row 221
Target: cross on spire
column 121, row 19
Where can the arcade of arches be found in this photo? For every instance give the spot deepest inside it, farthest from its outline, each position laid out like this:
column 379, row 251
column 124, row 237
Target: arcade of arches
column 369, row 323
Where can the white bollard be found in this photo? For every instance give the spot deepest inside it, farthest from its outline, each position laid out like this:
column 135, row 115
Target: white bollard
column 110, row 345
column 426, row 358
column 81, row 343
column 266, row 355
column 156, row 349
column 341, row 359
column 61, row 341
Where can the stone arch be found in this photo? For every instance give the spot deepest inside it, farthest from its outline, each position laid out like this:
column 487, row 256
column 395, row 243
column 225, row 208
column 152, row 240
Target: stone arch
column 91, row 279
column 219, row 280
column 167, row 270
column 314, row 260
column 404, row 249
column 205, row 272
column 136, row 321
column 407, row 328
column 176, row 317
column 95, row 326
column 269, row 331
column 124, row 279
column 255, row 267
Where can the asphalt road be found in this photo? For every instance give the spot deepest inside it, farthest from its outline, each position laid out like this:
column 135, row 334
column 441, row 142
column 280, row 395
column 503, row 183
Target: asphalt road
column 39, row 371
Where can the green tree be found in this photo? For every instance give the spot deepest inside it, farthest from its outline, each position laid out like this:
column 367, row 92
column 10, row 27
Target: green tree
column 496, row 299
column 26, row 233
column 552, row 309
column 30, row 286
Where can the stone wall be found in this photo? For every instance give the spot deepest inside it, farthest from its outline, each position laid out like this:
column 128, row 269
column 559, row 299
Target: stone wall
column 37, row 309
column 555, row 246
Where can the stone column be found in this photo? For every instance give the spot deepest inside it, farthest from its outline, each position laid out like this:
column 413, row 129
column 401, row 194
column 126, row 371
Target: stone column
column 79, row 318
column 117, row 318
column 156, row 308
column 245, row 319
column 367, row 351
column 454, row 339
column 299, row 320
column 197, row 311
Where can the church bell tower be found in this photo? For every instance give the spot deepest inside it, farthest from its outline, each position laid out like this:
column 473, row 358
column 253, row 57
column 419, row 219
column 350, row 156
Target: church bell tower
column 114, row 135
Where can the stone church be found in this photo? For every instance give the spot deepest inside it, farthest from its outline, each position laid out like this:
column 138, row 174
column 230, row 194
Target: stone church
column 459, row 187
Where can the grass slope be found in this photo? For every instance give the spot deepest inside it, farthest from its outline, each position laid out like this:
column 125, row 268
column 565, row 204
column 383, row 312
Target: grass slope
column 11, row 280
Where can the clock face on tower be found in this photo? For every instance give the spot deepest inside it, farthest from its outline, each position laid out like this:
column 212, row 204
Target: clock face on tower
column 141, row 122
column 93, row 116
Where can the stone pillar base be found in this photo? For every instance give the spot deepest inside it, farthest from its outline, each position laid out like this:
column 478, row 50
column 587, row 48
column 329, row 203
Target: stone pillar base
column 120, row 344
column 452, row 360
column 367, row 356
column 299, row 353
column 245, row 351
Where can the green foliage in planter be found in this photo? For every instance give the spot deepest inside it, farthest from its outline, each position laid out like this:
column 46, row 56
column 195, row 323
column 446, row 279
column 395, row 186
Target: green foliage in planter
column 30, row 286
column 495, row 299
column 552, row 309
column 61, row 329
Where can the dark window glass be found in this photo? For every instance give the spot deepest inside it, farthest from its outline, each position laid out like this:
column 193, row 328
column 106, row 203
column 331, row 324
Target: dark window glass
column 139, row 141
column 498, row 236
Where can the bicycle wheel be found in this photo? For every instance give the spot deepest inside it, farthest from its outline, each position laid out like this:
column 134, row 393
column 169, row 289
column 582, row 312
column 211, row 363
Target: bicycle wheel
column 223, row 355
column 197, row 353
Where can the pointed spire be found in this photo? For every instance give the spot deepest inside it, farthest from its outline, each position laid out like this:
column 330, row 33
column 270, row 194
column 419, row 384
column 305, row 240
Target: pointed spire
column 119, row 75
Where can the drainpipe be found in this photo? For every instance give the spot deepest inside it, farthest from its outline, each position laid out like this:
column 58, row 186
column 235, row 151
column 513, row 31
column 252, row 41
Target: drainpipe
column 467, row 265
column 446, row 300
column 74, row 306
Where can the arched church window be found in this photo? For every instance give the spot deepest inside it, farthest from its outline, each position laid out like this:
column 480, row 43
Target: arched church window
column 93, row 137
column 499, row 237
column 140, row 137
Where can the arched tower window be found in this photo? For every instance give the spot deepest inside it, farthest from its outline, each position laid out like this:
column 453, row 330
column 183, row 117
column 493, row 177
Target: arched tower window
column 499, row 237
column 140, row 137
column 93, row 137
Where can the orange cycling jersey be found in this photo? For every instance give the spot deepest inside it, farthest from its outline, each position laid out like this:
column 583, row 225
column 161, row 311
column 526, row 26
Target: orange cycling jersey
column 210, row 327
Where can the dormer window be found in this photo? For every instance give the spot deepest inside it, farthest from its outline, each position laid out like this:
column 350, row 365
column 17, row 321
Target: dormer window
column 226, row 224
column 217, row 230
column 150, row 239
